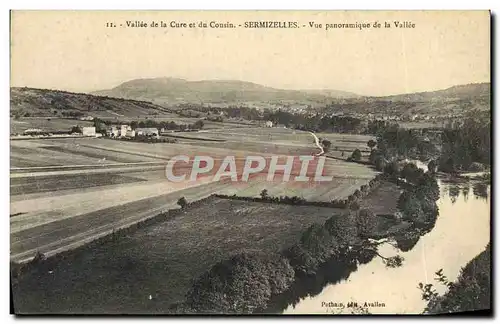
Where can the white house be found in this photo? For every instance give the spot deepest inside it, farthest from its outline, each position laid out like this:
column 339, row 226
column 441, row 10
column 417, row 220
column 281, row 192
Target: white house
column 124, row 129
column 150, row 132
column 269, row 123
column 88, row 131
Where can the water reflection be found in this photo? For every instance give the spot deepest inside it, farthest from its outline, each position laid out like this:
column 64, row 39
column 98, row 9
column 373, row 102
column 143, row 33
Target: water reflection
column 480, row 190
column 461, row 232
column 453, row 192
column 465, row 191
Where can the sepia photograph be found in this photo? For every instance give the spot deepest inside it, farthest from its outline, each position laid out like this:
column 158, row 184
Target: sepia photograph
column 174, row 162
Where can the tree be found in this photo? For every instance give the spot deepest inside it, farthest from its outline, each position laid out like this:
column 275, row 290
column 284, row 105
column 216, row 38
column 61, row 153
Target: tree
column 411, row 172
column 432, row 166
column 380, row 163
column 18, row 114
column 374, row 154
column 182, row 202
column 241, row 284
column 99, row 125
column 76, row 129
column 392, row 168
column 326, row 145
column 264, row 194
column 366, row 222
column 198, row 124
column 410, row 206
column 318, row 241
column 343, row 228
column 356, row 155
column 371, row 144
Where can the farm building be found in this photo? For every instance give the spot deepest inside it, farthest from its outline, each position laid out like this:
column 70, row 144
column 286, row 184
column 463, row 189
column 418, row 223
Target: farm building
column 34, row 131
column 88, row 131
column 124, row 129
column 269, row 123
column 149, row 132
column 87, row 118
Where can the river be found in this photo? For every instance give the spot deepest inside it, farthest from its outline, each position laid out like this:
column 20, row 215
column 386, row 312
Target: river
column 461, row 232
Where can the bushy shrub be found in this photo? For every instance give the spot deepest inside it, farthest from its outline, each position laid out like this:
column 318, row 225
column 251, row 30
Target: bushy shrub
column 356, row 155
column 301, row 260
column 343, row 228
column 182, row 202
column 365, row 222
column 241, row 284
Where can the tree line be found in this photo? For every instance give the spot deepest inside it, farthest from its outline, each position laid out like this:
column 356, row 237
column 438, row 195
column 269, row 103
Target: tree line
column 102, row 125
column 466, row 144
column 463, row 145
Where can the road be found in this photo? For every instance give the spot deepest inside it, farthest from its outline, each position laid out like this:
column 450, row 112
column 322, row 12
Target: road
column 316, row 141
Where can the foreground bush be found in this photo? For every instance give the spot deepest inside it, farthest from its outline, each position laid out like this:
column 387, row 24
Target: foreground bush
column 471, row 292
column 241, row 284
column 320, row 242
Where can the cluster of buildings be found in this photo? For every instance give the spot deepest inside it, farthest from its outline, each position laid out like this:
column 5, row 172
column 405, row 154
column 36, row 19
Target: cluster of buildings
column 122, row 131
column 127, row 132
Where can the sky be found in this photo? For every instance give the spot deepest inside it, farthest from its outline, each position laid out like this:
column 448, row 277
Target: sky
column 75, row 51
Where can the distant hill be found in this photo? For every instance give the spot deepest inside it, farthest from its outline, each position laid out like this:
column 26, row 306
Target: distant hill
column 172, row 90
column 466, row 91
column 334, row 94
column 151, row 97
column 42, row 102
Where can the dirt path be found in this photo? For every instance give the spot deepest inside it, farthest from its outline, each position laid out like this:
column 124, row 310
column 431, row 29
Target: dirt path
column 316, row 140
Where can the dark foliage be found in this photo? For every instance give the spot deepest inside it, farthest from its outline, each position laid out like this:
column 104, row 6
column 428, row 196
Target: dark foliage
column 471, row 292
column 241, row 284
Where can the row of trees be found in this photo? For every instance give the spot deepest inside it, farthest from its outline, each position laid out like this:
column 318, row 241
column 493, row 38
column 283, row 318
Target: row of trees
column 352, row 201
column 171, row 125
column 462, row 145
column 102, row 125
column 317, row 122
column 418, row 203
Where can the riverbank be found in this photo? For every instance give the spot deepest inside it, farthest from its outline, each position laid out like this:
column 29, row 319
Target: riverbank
column 471, row 292
column 460, row 233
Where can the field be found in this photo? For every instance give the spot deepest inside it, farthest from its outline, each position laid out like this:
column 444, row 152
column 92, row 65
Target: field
column 18, row 126
column 161, row 260
column 383, row 200
column 59, row 186
column 68, row 192
column 275, row 141
column 339, row 188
